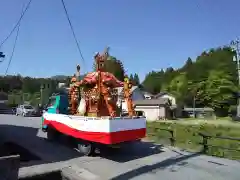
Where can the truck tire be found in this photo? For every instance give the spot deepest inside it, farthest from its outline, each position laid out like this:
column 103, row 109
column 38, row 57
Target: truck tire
column 87, row 148
column 52, row 134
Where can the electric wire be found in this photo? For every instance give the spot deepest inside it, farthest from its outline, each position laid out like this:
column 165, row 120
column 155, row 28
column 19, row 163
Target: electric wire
column 17, row 24
column 14, row 46
column 71, row 26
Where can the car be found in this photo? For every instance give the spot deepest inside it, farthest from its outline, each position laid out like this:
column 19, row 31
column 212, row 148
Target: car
column 25, row 110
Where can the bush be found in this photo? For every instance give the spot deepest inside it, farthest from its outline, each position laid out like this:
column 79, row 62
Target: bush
column 187, row 137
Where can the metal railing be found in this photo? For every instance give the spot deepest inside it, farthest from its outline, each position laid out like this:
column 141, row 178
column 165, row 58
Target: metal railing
column 172, row 138
column 204, row 143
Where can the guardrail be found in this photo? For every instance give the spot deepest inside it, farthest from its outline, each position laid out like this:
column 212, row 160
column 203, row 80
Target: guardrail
column 204, row 143
column 206, row 146
column 172, row 138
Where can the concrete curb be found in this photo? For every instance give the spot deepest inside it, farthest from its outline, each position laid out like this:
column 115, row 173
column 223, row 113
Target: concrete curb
column 72, row 172
column 9, row 167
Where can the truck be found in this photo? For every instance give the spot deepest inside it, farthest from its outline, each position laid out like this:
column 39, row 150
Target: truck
column 87, row 112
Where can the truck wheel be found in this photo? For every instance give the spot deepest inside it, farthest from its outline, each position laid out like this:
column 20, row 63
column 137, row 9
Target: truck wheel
column 86, row 148
column 52, row 134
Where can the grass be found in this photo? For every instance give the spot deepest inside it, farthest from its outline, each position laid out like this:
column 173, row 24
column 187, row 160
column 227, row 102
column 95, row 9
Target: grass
column 219, row 121
column 186, row 135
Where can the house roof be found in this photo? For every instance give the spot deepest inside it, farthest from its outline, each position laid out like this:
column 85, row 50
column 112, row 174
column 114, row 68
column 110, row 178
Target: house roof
column 161, row 94
column 151, row 102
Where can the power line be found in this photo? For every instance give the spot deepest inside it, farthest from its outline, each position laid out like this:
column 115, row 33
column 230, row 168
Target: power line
column 17, row 24
column 14, row 46
column 74, row 35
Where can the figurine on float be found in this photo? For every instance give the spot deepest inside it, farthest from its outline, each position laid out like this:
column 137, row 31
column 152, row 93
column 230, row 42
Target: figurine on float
column 74, row 92
column 73, row 95
column 98, row 95
column 128, row 96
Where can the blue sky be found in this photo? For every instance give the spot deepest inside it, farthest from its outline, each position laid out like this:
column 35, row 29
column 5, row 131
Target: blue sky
column 145, row 34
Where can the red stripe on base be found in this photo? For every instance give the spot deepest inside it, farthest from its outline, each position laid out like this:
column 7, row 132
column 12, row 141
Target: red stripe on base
column 100, row 137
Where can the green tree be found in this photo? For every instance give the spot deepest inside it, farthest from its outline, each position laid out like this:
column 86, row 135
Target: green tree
column 220, row 91
column 136, row 79
column 192, row 80
column 114, row 66
column 131, row 78
column 153, row 81
column 178, row 87
column 187, row 66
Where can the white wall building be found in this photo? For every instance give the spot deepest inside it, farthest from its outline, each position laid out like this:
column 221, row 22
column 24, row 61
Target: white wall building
column 153, row 109
column 137, row 94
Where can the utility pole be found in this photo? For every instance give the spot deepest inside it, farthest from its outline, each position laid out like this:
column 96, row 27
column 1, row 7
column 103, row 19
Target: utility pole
column 194, row 106
column 235, row 47
column 41, row 94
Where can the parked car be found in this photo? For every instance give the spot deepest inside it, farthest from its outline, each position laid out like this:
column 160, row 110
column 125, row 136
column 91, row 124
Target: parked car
column 25, row 110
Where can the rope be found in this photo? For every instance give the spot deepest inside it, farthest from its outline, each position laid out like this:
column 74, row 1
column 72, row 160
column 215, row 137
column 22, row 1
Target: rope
column 16, row 26
column 74, row 35
column 14, row 46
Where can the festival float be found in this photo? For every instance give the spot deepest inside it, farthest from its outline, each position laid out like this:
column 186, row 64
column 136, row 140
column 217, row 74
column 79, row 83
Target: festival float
column 88, row 111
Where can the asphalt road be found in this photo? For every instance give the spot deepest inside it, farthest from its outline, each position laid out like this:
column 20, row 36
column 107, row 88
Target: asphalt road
column 142, row 160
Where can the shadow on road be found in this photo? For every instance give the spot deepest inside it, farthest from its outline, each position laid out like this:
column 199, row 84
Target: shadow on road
column 33, row 149
column 42, row 151
column 158, row 166
column 132, row 151
column 36, row 150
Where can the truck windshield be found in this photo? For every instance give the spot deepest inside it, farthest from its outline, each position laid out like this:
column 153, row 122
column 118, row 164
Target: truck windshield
column 51, row 101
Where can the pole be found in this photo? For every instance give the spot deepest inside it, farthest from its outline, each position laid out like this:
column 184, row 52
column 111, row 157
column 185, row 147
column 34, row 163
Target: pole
column 41, row 94
column 194, row 106
column 235, row 47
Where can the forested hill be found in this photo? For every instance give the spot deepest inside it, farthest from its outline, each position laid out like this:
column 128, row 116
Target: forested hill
column 211, row 78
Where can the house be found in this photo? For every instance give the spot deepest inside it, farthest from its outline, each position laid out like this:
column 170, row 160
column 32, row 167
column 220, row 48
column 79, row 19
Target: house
column 61, row 85
column 205, row 112
column 168, row 96
column 137, row 94
column 154, row 109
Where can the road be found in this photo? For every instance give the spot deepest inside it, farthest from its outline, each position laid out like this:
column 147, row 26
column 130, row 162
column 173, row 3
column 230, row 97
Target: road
column 142, row 160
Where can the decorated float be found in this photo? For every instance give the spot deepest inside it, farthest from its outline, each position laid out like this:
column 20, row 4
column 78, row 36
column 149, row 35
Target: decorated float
column 88, row 111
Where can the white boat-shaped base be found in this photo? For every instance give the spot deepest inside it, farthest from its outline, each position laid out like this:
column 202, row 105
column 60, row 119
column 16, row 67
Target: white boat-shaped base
column 103, row 130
